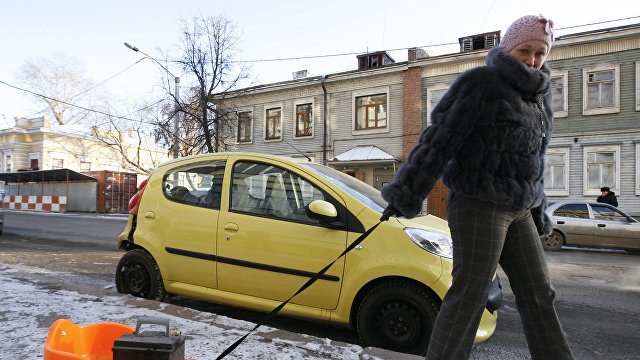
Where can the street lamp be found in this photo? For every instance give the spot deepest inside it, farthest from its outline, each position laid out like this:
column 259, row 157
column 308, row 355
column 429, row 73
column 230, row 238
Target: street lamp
column 176, row 93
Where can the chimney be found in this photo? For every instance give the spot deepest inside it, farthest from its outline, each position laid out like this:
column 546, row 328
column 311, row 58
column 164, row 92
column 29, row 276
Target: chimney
column 417, row 54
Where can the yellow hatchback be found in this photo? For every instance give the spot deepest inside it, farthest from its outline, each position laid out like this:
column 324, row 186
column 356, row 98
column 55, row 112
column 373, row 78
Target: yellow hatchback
column 248, row 230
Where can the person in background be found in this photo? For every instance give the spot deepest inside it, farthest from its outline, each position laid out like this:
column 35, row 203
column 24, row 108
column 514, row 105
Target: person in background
column 607, row 197
column 489, row 135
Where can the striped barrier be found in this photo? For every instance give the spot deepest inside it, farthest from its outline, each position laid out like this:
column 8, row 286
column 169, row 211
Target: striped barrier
column 51, row 203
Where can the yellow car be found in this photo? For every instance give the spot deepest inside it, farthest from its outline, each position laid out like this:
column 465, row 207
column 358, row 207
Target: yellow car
column 248, row 230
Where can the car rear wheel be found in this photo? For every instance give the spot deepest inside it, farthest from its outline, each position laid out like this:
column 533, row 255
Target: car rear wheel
column 398, row 315
column 553, row 242
column 137, row 274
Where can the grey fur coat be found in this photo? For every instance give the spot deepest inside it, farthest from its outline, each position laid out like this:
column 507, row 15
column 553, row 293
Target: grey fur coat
column 488, row 136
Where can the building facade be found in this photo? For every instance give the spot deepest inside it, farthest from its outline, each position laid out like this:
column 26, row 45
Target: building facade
column 365, row 122
column 33, row 144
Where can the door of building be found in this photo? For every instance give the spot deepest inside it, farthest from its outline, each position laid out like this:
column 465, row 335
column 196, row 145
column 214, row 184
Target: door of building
column 437, row 200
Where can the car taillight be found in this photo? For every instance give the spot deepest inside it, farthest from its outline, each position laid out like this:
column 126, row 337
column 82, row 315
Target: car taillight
column 134, row 203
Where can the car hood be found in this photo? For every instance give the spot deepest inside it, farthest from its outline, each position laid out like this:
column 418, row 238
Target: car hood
column 426, row 221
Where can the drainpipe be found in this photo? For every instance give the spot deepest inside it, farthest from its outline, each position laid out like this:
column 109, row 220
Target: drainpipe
column 323, row 78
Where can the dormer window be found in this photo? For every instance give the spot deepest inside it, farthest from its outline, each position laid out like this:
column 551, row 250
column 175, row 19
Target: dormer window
column 374, row 60
column 479, row 42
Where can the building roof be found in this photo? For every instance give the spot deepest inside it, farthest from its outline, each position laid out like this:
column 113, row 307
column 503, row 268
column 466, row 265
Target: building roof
column 364, row 153
column 38, row 176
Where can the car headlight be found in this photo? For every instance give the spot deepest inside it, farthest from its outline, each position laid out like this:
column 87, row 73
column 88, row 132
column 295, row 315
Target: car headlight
column 434, row 242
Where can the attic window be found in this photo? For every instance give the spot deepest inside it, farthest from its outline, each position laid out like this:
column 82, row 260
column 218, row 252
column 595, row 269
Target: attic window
column 479, row 42
column 374, row 60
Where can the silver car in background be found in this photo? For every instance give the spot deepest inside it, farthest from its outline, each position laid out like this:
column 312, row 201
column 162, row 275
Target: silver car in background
column 591, row 224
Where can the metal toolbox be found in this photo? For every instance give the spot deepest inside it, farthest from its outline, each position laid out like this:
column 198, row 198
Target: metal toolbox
column 149, row 345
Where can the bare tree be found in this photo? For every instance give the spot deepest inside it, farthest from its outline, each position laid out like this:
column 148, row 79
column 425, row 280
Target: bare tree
column 61, row 81
column 206, row 55
column 131, row 135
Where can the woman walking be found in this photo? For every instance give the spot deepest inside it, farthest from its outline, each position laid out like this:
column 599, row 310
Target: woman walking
column 488, row 138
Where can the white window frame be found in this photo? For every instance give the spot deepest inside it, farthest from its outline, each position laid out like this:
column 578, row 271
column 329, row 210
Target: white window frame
column 564, row 151
column 637, row 85
column 295, row 117
column 370, row 92
column 565, row 93
column 585, row 168
column 438, row 87
column 616, row 90
column 637, row 168
column 264, row 122
column 253, row 121
column 7, row 161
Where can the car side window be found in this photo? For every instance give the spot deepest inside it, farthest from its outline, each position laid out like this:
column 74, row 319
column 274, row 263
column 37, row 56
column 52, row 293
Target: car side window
column 271, row 191
column 573, row 210
column 197, row 184
column 607, row 213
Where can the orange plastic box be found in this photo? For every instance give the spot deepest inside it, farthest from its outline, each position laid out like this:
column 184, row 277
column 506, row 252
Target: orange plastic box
column 88, row 342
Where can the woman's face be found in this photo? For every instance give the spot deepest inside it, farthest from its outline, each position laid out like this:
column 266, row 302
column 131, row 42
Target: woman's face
column 533, row 53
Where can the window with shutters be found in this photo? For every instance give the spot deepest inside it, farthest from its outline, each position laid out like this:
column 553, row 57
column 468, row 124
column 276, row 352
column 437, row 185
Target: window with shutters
column 479, row 42
column 601, row 90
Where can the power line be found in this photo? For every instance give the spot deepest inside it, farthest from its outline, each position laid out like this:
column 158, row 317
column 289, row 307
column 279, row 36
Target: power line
column 407, row 48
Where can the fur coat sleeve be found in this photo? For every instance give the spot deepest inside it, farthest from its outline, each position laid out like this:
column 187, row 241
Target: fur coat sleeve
column 452, row 120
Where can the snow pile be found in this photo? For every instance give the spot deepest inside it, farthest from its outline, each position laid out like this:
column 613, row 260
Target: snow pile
column 27, row 312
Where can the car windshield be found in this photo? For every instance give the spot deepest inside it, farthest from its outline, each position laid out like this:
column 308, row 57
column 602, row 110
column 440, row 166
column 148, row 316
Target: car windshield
column 362, row 191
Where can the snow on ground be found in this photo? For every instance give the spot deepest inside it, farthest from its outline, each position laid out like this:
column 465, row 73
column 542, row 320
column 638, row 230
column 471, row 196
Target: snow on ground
column 28, row 311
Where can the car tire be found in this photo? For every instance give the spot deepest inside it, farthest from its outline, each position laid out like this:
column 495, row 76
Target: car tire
column 137, row 274
column 398, row 315
column 553, row 242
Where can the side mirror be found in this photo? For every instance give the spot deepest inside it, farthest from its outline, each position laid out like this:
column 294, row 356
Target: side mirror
column 322, row 211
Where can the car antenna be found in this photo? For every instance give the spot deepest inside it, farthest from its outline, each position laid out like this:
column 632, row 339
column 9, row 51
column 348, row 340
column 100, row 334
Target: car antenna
column 303, row 154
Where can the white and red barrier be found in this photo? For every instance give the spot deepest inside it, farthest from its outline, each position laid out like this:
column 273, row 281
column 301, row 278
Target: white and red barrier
column 52, row 203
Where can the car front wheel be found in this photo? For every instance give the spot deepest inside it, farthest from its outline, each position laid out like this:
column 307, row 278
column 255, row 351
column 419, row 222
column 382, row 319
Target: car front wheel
column 398, row 315
column 137, row 273
column 553, row 242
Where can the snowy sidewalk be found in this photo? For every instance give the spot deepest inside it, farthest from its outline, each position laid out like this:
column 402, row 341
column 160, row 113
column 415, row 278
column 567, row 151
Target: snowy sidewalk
column 28, row 310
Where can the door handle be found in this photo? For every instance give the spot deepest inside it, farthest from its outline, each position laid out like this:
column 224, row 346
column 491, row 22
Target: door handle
column 560, row 222
column 150, row 215
column 602, row 225
column 231, row 227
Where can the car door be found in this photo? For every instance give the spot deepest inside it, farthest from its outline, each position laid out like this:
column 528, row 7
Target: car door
column 268, row 246
column 189, row 217
column 574, row 221
column 613, row 228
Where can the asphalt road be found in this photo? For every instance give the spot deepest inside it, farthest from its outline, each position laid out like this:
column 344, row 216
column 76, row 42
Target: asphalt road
column 598, row 292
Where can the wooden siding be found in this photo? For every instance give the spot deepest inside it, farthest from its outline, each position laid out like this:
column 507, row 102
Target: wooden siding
column 339, row 119
column 627, row 118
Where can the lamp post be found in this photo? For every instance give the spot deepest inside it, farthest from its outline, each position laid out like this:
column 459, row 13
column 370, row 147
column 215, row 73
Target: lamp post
column 175, row 94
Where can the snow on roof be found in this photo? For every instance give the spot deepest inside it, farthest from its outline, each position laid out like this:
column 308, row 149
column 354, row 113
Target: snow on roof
column 364, row 153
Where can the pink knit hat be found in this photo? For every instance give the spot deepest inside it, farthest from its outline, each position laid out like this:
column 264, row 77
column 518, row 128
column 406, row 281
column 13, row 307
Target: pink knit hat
column 529, row 27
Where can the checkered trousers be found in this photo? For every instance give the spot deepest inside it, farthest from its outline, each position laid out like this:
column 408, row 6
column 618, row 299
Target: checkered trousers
column 485, row 235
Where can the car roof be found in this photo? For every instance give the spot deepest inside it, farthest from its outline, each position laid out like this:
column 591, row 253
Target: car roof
column 558, row 204
column 225, row 155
